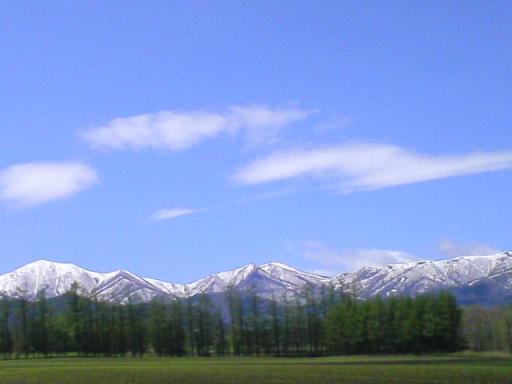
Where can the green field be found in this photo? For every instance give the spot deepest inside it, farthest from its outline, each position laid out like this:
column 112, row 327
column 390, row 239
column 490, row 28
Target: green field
column 361, row 369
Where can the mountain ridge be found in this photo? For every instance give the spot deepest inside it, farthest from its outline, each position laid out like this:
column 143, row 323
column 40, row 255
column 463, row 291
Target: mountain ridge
column 467, row 275
column 56, row 278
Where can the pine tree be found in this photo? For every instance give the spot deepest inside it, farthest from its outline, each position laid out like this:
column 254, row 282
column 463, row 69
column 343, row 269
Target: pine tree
column 177, row 325
column 236, row 319
column 5, row 332
column 22, row 326
column 298, row 326
column 190, row 326
column 41, row 324
column 159, row 333
column 221, row 345
column 255, row 321
column 276, row 328
column 74, row 316
column 122, row 330
column 136, row 329
column 286, row 325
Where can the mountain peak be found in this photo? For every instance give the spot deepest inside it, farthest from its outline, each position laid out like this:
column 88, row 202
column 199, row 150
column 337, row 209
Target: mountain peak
column 43, row 266
column 277, row 264
column 272, row 279
column 42, row 263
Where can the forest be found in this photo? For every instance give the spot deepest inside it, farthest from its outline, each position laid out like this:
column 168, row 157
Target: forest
column 243, row 324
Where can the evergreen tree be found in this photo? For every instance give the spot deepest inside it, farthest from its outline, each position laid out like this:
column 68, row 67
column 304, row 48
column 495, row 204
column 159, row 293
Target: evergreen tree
column 298, row 329
column 236, row 319
column 159, row 328
column 221, row 345
column 136, row 329
column 74, row 317
column 276, row 328
column 22, row 326
column 204, row 325
column 286, row 325
column 41, row 325
column 5, row 332
column 190, row 326
column 176, row 324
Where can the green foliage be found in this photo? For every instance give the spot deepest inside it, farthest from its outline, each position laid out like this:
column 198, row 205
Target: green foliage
column 428, row 323
column 312, row 323
column 488, row 329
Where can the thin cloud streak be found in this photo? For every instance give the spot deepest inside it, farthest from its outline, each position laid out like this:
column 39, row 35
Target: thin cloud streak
column 165, row 214
column 172, row 213
column 363, row 166
column 30, row 184
column 177, row 131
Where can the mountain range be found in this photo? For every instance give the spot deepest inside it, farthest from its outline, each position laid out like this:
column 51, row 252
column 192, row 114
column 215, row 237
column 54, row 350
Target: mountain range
column 474, row 279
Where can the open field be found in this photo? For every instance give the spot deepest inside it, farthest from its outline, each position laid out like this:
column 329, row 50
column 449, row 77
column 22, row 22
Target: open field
column 360, row 369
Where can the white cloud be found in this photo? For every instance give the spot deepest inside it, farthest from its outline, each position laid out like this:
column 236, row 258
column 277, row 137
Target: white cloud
column 452, row 249
column 348, row 261
column 362, row 166
column 34, row 183
column 166, row 214
column 172, row 213
column 176, row 131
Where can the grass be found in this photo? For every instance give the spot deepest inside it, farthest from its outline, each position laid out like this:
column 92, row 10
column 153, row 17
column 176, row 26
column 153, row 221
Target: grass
column 450, row 369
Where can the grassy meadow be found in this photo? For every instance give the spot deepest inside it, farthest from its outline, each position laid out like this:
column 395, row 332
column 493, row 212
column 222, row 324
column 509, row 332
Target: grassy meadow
column 459, row 368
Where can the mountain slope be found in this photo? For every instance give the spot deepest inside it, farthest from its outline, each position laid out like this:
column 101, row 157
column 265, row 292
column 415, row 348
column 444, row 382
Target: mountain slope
column 57, row 278
column 486, row 279
column 423, row 276
column 271, row 279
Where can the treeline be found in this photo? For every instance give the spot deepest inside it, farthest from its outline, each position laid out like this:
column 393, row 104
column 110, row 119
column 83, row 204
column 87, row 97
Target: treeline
column 488, row 329
column 425, row 324
column 239, row 323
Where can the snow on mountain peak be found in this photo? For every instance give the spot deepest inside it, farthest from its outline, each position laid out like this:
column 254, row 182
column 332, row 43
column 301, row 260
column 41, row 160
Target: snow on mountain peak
column 421, row 276
column 272, row 279
column 51, row 277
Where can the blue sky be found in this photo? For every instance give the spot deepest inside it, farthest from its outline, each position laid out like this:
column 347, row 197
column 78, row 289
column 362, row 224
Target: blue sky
column 175, row 139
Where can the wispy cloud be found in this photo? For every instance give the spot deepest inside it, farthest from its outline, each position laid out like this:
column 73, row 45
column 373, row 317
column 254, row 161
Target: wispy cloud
column 167, row 214
column 175, row 131
column 452, row 249
column 348, row 261
column 172, row 213
column 35, row 183
column 363, row 166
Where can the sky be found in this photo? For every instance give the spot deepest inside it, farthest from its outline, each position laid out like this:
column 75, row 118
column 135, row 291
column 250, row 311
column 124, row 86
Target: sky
column 176, row 139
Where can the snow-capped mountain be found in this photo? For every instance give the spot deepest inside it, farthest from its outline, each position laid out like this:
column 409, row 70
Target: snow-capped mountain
column 423, row 276
column 471, row 277
column 119, row 286
column 271, row 279
column 57, row 278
